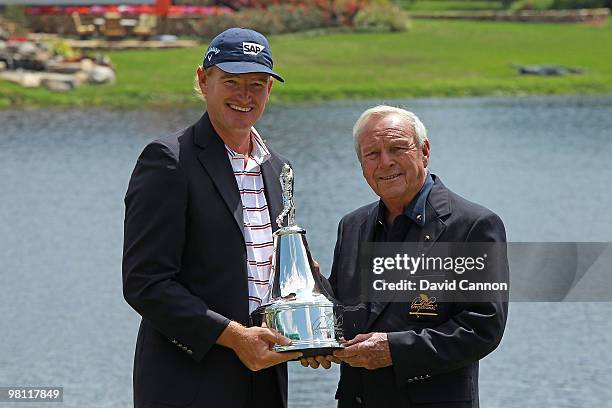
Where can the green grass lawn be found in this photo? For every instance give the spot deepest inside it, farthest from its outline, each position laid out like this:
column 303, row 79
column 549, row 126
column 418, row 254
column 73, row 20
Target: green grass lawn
column 434, row 58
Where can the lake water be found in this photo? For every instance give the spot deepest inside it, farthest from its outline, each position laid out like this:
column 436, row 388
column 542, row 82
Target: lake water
column 543, row 164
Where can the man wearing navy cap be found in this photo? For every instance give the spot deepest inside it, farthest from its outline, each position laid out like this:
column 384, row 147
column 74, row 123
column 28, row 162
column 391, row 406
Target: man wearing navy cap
column 198, row 240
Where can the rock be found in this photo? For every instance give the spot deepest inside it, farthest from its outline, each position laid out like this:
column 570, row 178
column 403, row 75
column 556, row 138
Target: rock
column 87, row 65
column 30, row 80
column 58, row 85
column 31, row 65
column 101, row 75
column 81, row 77
column 103, row 59
column 27, row 48
column 166, row 37
column 63, row 67
column 59, row 82
column 25, row 79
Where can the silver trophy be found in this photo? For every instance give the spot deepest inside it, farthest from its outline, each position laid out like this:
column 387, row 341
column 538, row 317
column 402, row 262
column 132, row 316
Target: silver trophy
column 297, row 307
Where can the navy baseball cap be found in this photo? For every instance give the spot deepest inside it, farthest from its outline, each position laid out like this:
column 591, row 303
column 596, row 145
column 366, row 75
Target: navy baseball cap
column 240, row 51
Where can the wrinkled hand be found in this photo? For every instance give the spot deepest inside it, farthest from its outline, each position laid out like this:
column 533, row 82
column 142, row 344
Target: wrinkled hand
column 253, row 346
column 323, row 361
column 369, row 351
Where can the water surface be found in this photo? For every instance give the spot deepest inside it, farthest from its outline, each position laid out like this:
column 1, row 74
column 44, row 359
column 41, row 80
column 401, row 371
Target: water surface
column 541, row 163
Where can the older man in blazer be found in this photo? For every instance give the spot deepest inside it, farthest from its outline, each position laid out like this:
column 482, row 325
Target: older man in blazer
column 394, row 358
column 198, row 238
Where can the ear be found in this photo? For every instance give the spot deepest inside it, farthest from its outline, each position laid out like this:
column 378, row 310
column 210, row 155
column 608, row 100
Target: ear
column 425, row 151
column 270, row 83
column 202, row 79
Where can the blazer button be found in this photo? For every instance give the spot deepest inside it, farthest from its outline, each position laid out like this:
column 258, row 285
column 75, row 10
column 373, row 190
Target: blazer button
column 427, row 238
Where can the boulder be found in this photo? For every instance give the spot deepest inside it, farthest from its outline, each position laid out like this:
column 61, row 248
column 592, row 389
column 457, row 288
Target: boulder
column 58, row 85
column 23, row 78
column 101, row 75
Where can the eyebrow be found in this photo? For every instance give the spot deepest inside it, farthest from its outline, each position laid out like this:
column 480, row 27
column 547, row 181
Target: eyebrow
column 263, row 78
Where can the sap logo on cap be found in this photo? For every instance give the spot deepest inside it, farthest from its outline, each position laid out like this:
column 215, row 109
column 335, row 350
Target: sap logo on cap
column 212, row 51
column 251, row 48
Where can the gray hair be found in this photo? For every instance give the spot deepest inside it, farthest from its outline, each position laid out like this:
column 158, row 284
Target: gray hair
column 383, row 110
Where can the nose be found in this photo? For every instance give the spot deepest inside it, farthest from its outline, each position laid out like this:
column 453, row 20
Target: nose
column 244, row 93
column 385, row 159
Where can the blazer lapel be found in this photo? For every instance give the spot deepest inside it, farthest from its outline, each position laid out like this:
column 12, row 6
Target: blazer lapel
column 270, row 171
column 438, row 206
column 366, row 234
column 213, row 157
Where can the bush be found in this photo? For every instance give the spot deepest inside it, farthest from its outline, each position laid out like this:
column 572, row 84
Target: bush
column 579, row 4
column 531, row 5
column 271, row 17
column 259, row 20
column 273, row 20
column 337, row 12
column 285, row 18
column 381, row 16
column 299, row 18
column 211, row 25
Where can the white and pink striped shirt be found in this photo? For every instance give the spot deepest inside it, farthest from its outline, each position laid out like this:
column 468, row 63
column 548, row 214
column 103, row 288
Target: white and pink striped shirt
column 256, row 217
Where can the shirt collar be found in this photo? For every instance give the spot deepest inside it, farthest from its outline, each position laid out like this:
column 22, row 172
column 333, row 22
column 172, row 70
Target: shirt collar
column 259, row 151
column 415, row 210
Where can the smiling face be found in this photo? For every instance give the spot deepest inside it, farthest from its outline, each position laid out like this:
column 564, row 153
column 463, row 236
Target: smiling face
column 392, row 164
column 234, row 101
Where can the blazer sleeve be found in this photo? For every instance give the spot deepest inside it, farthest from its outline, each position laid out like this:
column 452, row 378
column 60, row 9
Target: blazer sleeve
column 154, row 235
column 471, row 333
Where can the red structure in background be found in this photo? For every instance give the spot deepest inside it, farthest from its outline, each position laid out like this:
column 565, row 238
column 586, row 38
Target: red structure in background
column 162, row 7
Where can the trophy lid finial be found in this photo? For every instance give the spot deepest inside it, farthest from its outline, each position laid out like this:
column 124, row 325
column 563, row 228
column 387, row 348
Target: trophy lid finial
column 286, row 180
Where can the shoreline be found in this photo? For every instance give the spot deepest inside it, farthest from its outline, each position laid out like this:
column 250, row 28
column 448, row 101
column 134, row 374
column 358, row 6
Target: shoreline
column 303, row 103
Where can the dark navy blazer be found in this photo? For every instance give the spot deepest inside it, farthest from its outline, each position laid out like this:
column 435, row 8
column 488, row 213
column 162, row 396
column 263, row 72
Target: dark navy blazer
column 435, row 359
column 185, row 273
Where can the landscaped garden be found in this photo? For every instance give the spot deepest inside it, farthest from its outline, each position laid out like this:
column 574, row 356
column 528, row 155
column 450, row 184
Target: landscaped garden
column 430, row 58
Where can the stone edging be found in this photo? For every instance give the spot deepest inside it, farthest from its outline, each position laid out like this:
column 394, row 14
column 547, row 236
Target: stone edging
column 599, row 16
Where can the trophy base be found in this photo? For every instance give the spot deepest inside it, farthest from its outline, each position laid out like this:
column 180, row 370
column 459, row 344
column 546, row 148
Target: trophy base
column 309, row 351
column 322, row 351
